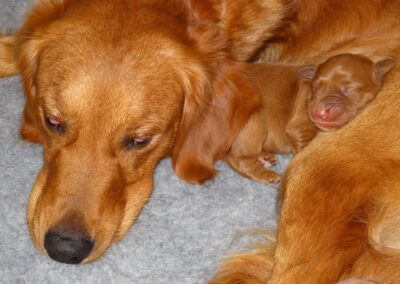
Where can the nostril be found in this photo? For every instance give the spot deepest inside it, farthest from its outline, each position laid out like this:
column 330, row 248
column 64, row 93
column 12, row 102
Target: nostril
column 321, row 113
column 328, row 112
column 71, row 248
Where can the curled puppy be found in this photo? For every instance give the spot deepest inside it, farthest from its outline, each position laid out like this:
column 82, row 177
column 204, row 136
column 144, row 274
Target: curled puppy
column 297, row 103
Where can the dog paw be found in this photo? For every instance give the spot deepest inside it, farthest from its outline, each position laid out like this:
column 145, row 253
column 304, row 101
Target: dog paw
column 267, row 160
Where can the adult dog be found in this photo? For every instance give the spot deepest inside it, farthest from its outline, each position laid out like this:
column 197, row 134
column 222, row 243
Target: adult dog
column 111, row 87
column 341, row 203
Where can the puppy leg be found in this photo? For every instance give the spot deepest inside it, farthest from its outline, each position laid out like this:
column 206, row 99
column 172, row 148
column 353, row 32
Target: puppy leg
column 250, row 167
column 267, row 159
column 247, row 148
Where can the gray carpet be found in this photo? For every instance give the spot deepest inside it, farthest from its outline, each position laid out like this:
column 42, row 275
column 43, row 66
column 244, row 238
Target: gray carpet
column 180, row 237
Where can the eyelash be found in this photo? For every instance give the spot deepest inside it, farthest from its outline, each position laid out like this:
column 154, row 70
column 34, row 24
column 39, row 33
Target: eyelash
column 54, row 124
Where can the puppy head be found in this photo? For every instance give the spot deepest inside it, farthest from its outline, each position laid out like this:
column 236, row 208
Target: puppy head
column 109, row 98
column 342, row 87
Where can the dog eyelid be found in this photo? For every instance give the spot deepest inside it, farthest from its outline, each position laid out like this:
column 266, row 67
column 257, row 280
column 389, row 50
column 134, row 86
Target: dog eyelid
column 136, row 142
column 54, row 123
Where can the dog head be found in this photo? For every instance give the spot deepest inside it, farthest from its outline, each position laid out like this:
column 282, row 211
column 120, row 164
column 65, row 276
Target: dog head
column 342, row 87
column 112, row 88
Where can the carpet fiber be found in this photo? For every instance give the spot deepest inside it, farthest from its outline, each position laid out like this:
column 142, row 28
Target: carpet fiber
column 180, row 237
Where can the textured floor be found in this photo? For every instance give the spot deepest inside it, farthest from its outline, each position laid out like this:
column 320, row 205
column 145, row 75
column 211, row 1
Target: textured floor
column 179, row 238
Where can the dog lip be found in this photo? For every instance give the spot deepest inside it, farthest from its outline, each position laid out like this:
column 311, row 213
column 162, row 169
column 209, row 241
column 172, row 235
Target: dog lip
column 327, row 125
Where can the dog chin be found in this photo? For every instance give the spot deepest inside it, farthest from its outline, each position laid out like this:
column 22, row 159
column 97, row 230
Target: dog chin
column 328, row 126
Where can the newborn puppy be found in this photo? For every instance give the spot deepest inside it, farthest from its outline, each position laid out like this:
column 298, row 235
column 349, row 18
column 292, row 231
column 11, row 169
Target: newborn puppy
column 297, row 103
column 342, row 87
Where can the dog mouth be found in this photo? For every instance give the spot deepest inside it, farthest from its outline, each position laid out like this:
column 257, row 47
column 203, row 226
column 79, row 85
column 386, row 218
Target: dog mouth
column 328, row 125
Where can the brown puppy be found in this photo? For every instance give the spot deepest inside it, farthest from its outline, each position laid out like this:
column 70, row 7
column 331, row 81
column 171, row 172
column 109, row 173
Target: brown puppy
column 110, row 86
column 293, row 112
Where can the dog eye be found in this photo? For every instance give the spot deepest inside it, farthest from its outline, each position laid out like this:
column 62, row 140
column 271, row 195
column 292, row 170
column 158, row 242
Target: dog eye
column 136, row 143
column 346, row 90
column 54, row 123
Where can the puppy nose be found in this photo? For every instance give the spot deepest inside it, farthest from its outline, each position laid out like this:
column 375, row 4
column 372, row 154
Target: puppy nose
column 322, row 113
column 328, row 112
column 69, row 247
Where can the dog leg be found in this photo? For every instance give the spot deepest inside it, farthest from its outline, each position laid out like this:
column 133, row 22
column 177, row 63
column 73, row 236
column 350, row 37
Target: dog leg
column 321, row 231
column 381, row 260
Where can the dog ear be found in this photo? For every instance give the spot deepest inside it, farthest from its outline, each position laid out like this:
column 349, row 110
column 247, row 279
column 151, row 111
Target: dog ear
column 28, row 44
column 8, row 62
column 29, row 54
column 218, row 97
column 207, row 130
column 307, row 72
column 381, row 69
column 250, row 23
column 246, row 24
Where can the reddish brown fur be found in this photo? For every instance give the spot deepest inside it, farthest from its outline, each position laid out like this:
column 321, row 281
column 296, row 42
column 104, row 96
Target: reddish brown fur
column 319, row 29
column 342, row 87
column 333, row 223
column 287, row 120
column 117, row 72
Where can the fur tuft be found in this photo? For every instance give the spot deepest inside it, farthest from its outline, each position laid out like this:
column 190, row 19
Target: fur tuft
column 8, row 62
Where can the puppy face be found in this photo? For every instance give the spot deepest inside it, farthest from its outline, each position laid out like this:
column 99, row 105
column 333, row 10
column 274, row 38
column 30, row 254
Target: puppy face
column 342, row 87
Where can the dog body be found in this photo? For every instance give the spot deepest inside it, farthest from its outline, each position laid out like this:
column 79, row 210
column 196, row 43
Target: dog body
column 340, row 194
column 297, row 103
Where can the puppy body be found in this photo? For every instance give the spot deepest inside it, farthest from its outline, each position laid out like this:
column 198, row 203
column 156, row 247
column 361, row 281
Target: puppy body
column 297, row 103
column 265, row 131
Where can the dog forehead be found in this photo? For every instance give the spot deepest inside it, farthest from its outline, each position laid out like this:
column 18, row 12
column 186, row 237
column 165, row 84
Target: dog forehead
column 119, row 89
column 118, row 86
column 347, row 67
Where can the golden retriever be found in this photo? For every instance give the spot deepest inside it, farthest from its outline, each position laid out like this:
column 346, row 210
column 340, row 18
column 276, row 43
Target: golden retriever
column 111, row 88
column 340, row 198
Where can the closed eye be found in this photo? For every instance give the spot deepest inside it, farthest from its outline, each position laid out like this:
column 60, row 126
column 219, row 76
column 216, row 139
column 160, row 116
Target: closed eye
column 54, row 123
column 136, row 142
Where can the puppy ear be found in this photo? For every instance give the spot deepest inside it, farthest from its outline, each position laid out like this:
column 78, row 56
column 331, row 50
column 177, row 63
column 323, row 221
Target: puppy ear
column 381, row 69
column 307, row 72
column 207, row 132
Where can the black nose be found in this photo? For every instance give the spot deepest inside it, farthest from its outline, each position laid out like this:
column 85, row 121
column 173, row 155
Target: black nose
column 69, row 248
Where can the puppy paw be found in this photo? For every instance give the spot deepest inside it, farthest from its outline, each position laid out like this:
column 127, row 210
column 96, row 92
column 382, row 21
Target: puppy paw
column 267, row 160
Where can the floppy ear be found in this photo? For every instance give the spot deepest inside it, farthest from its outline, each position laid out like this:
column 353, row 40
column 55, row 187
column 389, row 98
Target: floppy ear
column 206, row 133
column 247, row 24
column 381, row 69
column 28, row 44
column 307, row 72
column 31, row 128
column 8, row 62
column 218, row 97
column 250, row 23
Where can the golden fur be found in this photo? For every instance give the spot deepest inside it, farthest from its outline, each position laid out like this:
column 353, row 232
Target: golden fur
column 111, row 87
